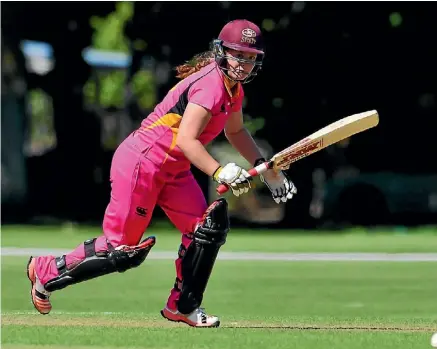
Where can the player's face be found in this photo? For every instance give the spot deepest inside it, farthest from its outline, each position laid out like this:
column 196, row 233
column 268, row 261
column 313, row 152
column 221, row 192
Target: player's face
column 241, row 64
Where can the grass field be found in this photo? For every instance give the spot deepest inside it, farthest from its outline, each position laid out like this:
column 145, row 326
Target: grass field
column 168, row 239
column 262, row 304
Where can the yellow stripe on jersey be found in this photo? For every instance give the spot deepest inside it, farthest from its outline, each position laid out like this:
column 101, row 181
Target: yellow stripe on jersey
column 173, row 121
column 170, row 120
column 173, row 142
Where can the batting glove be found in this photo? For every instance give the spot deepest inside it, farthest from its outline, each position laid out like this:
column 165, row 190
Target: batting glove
column 235, row 177
column 281, row 187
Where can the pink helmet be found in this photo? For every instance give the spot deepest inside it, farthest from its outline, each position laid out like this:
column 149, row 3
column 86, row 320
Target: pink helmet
column 241, row 35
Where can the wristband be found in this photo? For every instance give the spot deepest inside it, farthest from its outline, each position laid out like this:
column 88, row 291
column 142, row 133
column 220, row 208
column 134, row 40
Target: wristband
column 216, row 173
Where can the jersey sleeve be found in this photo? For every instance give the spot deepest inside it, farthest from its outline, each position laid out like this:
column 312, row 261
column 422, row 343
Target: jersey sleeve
column 207, row 96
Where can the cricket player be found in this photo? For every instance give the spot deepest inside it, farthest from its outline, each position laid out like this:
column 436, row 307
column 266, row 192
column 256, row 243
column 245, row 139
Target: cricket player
column 152, row 167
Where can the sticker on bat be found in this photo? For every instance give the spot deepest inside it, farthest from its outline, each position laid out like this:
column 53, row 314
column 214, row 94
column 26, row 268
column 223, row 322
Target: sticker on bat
column 300, row 153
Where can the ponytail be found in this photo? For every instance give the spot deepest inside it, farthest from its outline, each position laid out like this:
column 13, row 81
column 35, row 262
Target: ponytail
column 194, row 64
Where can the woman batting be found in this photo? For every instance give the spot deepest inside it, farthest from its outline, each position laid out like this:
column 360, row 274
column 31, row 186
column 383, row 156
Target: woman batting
column 152, row 167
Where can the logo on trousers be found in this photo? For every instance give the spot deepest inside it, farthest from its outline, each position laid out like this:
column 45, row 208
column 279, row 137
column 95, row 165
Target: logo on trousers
column 141, row 211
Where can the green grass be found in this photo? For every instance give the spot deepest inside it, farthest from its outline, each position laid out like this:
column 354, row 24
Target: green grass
column 303, row 305
column 160, row 338
column 262, row 305
column 358, row 240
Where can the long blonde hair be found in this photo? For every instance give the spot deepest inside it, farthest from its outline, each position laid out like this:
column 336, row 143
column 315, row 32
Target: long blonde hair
column 194, row 64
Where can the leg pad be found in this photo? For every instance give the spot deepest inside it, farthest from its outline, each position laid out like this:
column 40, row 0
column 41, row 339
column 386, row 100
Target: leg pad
column 199, row 259
column 95, row 264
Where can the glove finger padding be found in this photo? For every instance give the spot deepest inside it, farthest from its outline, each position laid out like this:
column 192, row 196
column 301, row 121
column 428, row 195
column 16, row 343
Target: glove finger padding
column 280, row 194
column 242, row 184
column 281, row 191
column 290, row 189
column 238, row 189
column 236, row 177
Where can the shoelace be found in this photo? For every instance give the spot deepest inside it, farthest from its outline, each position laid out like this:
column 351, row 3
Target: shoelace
column 203, row 314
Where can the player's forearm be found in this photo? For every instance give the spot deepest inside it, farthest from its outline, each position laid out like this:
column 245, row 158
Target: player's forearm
column 196, row 153
column 243, row 142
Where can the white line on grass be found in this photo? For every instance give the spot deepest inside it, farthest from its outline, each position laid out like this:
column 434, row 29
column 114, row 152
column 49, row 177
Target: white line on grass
column 257, row 256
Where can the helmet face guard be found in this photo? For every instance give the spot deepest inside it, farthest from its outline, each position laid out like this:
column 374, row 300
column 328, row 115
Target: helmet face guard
column 218, row 47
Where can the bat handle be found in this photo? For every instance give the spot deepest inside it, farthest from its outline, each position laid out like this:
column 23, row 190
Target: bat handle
column 256, row 171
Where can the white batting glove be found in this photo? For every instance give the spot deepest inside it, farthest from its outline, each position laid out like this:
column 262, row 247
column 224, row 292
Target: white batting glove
column 235, row 177
column 281, row 187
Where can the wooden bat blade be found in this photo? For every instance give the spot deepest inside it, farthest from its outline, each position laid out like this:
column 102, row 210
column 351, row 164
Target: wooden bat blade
column 326, row 136
column 319, row 140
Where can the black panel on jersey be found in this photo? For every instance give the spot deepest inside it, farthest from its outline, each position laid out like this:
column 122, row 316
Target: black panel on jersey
column 181, row 105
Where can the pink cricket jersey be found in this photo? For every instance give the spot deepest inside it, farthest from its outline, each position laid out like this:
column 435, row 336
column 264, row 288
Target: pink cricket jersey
column 159, row 130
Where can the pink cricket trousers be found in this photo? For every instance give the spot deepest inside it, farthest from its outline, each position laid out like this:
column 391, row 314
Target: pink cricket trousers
column 137, row 185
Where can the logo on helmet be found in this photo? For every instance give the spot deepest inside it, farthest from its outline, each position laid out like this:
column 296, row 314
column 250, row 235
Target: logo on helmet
column 250, row 33
column 248, row 36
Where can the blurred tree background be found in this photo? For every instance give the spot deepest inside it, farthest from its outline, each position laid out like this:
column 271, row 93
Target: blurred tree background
column 68, row 104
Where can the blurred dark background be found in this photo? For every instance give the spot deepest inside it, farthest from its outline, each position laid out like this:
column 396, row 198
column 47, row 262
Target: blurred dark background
column 77, row 77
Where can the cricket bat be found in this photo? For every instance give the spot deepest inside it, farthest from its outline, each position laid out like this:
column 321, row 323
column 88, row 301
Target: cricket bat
column 315, row 142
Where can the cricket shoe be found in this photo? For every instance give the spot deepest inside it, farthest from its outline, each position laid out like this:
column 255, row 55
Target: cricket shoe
column 198, row 318
column 40, row 297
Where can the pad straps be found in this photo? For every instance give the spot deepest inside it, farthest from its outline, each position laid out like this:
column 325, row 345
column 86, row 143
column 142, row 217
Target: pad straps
column 90, row 251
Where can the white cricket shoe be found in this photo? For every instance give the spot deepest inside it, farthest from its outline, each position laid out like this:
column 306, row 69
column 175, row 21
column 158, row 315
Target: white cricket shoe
column 198, row 318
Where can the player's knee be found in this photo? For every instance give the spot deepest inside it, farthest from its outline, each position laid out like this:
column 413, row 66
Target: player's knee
column 214, row 225
column 126, row 257
column 124, row 260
